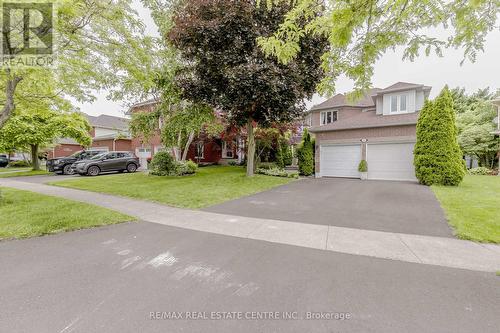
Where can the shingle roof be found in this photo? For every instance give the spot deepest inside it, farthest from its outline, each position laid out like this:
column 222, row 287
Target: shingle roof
column 342, row 100
column 401, row 86
column 106, row 121
column 367, row 120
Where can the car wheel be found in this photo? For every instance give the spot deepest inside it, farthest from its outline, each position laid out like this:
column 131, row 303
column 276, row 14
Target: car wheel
column 67, row 170
column 93, row 171
column 131, row 168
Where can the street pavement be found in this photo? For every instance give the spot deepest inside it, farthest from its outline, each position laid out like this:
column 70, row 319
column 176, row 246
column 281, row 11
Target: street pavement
column 131, row 277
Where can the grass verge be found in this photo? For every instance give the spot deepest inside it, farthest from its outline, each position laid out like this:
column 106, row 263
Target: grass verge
column 23, row 173
column 26, row 214
column 209, row 186
column 473, row 207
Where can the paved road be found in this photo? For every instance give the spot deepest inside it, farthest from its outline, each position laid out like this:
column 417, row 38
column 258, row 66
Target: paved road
column 110, row 279
column 401, row 207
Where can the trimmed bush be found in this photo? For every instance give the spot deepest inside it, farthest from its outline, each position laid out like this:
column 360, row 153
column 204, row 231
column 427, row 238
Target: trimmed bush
column 163, row 164
column 363, row 166
column 438, row 158
column 277, row 172
column 481, row 171
column 305, row 155
column 191, row 167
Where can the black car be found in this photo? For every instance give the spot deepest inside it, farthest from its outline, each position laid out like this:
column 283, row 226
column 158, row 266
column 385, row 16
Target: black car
column 4, row 161
column 62, row 165
column 105, row 162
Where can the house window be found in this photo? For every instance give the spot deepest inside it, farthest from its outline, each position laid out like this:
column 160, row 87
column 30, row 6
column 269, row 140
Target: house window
column 328, row 117
column 200, row 150
column 399, row 104
column 227, row 151
column 402, row 103
column 394, row 104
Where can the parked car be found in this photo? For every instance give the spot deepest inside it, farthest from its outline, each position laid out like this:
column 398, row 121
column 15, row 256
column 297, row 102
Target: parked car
column 112, row 161
column 63, row 165
column 4, row 161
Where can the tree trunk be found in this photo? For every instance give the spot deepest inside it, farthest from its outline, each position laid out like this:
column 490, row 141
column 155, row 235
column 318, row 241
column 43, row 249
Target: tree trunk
column 35, row 162
column 186, row 148
column 9, row 107
column 251, row 148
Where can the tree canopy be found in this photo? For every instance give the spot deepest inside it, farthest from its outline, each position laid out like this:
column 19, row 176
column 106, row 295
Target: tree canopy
column 100, row 44
column 224, row 67
column 475, row 115
column 359, row 32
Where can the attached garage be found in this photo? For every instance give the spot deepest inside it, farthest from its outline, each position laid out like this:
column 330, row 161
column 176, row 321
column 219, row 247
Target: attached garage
column 340, row 160
column 391, row 161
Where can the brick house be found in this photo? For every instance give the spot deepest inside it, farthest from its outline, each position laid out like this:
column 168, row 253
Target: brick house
column 108, row 133
column 379, row 128
column 202, row 150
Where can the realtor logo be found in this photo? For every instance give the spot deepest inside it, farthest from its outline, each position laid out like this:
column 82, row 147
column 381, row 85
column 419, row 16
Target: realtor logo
column 27, row 33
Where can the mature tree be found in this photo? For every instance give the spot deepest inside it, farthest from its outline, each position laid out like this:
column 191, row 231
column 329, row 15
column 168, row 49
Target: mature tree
column 225, row 68
column 178, row 124
column 438, row 158
column 39, row 128
column 99, row 44
column 361, row 31
column 474, row 123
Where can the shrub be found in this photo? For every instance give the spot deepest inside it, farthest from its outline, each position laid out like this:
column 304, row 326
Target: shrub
column 277, row 172
column 191, row 167
column 267, row 165
column 438, row 158
column 305, row 155
column 363, row 166
column 19, row 164
column 163, row 164
column 481, row 171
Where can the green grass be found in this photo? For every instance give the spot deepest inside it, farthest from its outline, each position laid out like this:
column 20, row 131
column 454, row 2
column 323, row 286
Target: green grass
column 473, row 208
column 27, row 214
column 13, row 169
column 23, row 174
column 209, row 186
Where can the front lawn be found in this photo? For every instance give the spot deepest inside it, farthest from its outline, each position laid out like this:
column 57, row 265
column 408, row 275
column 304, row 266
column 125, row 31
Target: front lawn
column 473, row 208
column 27, row 214
column 23, row 173
column 13, row 169
column 209, row 186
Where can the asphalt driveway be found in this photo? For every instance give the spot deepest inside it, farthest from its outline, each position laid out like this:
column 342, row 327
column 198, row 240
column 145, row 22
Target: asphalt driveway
column 111, row 279
column 402, row 207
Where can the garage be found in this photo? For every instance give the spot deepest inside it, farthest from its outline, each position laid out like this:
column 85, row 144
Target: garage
column 340, row 160
column 391, row 161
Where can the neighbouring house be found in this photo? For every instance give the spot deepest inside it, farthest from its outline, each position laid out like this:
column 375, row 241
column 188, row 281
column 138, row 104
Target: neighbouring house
column 379, row 128
column 108, row 133
column 497, row 132
column 203, row 150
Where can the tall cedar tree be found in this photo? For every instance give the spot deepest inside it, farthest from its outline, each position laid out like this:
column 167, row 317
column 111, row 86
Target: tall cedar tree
column 438, row 158
column 226, row 69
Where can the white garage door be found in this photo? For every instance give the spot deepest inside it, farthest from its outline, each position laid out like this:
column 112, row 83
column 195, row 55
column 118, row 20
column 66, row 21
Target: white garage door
column 391, row 161
column 340, row 160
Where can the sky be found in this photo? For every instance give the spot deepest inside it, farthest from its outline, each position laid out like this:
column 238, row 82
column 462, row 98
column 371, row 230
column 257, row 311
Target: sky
column 433, row 71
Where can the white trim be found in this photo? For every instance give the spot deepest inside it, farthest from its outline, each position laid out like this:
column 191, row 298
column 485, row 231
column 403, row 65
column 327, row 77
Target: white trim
column 326, row 112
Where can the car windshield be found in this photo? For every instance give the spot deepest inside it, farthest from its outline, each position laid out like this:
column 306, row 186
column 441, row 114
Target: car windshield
column 77, row 154
column 99, row 156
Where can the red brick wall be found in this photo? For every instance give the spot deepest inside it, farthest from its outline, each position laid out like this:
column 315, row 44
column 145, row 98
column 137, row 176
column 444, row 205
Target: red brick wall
column 212, row 153
column 64, row 150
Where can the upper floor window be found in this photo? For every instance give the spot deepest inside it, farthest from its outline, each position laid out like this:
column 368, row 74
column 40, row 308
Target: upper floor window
column 399, row 103
column 328, row 117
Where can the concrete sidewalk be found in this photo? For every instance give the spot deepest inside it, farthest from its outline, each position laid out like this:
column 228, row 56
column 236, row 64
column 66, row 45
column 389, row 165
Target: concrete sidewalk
column 438, row 251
